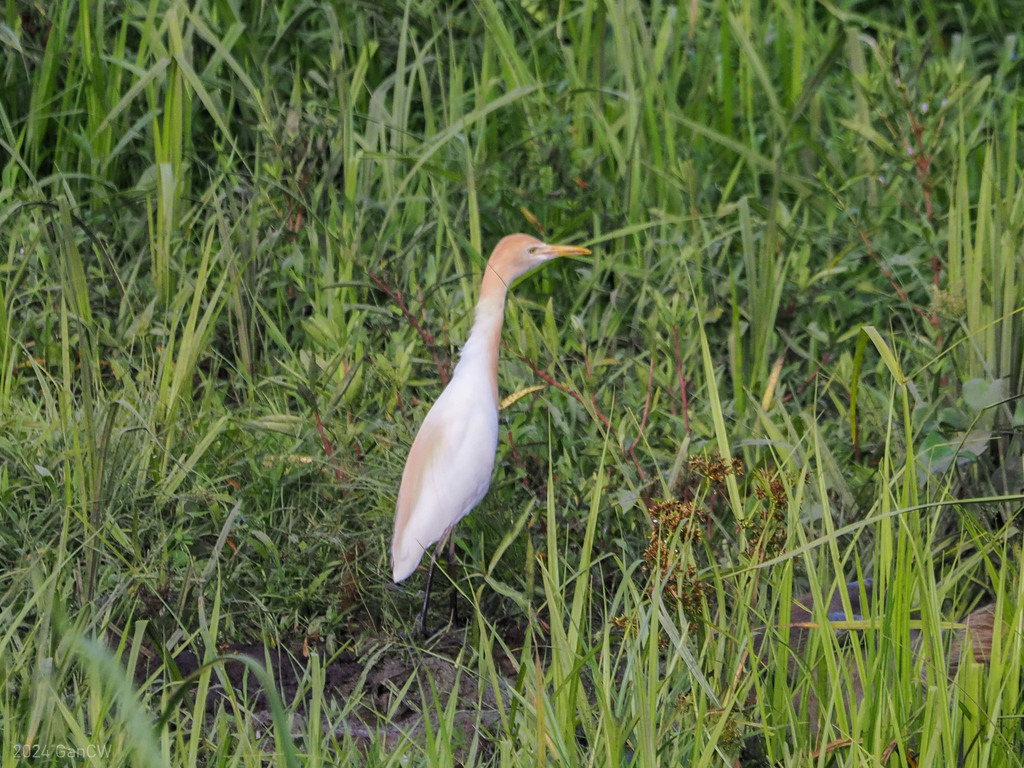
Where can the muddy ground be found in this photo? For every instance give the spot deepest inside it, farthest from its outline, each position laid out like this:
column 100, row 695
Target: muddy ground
column 373, row 696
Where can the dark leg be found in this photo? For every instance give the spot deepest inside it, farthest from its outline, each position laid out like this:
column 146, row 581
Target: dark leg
column 451, row 577
column 430, row 580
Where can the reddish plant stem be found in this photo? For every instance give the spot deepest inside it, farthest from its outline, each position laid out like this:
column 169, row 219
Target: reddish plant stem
column 643, row 422
column 825, row 359
column 922, row 163
column 428, row 338
column 571, row 392
column 604, row 419
column 922, row 166
column 933, row 318
column 328, row 448
column 518, row 462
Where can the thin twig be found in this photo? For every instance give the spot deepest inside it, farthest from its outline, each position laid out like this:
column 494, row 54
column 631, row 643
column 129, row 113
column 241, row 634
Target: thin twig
column 428, row 338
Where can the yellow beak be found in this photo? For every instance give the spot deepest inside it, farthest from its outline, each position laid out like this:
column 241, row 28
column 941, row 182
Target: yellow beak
column 554, row 251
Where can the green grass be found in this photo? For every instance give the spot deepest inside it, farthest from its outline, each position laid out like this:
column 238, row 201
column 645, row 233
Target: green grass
column 240, row 249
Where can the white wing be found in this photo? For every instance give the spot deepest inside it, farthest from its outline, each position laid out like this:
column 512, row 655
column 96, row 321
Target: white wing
column 447, row 473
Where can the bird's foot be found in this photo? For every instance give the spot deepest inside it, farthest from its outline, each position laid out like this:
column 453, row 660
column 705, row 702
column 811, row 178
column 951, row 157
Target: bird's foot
column 455, row 621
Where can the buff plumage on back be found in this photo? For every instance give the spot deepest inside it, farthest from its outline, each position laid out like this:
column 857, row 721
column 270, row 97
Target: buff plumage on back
column 406, row 552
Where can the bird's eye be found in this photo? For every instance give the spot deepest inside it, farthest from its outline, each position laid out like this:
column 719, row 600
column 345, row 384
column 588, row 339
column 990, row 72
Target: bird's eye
column 531, row 250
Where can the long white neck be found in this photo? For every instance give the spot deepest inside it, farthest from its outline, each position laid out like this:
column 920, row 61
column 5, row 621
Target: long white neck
column 480, row 352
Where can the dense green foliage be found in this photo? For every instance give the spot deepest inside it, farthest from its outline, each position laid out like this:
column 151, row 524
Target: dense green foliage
column 241, row 245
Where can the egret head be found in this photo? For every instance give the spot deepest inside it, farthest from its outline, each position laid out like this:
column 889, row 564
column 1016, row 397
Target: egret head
column 515, row 255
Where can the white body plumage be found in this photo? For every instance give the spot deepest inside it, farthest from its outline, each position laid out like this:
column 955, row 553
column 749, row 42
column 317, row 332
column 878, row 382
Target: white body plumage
column 449, row 466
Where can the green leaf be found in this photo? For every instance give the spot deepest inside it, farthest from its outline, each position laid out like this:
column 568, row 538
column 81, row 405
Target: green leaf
column 980, row 394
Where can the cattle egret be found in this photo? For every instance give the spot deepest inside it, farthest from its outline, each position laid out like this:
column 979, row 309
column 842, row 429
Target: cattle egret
column 450, row 463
